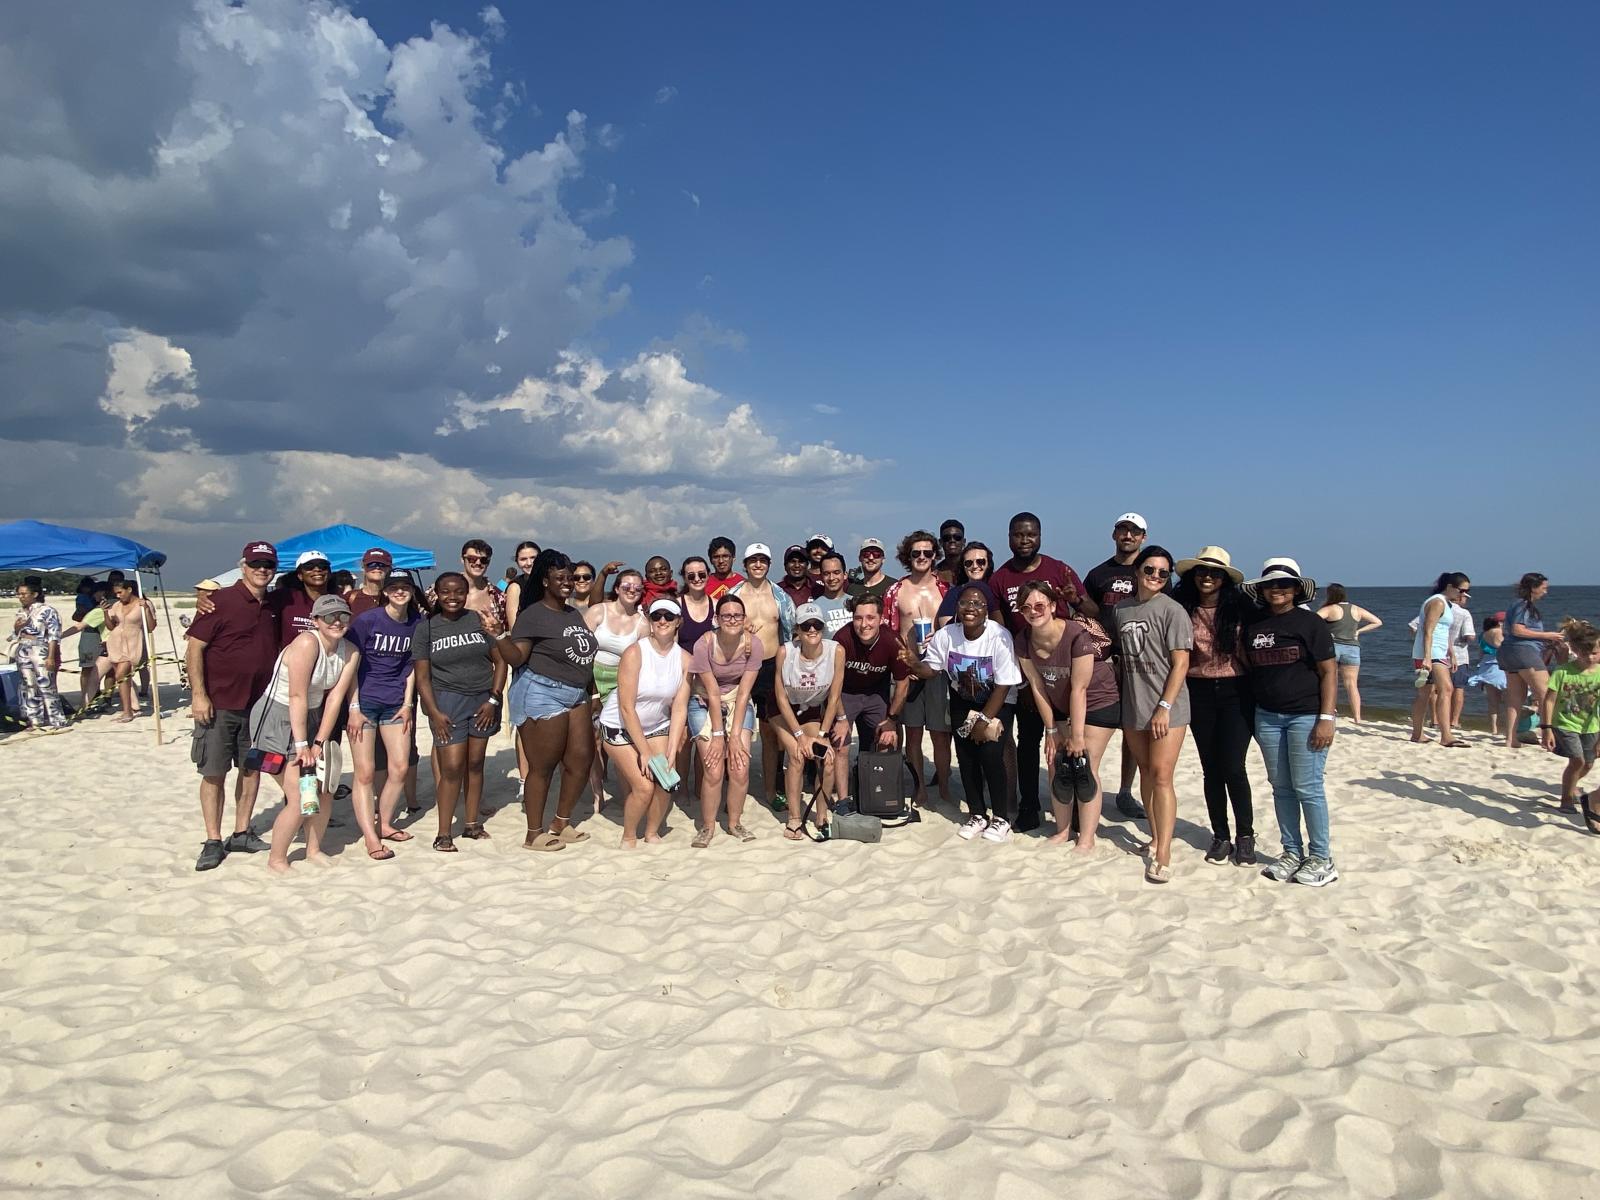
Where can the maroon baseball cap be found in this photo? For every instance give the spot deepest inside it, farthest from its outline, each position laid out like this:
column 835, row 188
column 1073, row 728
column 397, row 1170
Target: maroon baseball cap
column 259, row 550
column 377, row 555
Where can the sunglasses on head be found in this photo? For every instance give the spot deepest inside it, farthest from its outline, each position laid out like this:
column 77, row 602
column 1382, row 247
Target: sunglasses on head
column 1150, row 572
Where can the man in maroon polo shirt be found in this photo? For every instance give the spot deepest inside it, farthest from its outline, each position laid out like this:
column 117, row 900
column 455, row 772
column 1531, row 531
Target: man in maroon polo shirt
column 229, row 659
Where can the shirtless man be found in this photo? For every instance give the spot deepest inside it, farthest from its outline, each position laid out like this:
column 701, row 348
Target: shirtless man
column 952, row 541
column 1108, row 584
column 768, row 615
column 915, row 598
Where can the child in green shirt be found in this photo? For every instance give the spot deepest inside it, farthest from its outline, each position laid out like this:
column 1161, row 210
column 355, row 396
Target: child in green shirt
column 1571, row 715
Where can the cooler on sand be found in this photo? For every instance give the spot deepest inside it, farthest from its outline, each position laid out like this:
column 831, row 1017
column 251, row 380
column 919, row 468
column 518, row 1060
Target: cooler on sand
column 11, row 693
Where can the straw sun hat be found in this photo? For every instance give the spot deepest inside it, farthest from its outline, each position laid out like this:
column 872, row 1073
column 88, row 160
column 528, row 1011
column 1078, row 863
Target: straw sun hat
column 1210, row 556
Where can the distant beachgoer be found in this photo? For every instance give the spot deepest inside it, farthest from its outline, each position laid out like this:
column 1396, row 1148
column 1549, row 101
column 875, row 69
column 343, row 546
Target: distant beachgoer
column 1156, row 638
column 1487, row 674
column 1289, row 654
column 1221, row 700
column 552, row 650
column 722, row 716
column 341, row 582
column 294, row 719
column 1522, row 651
column 1570, row 716
column 1347, row 622
column 129, row 621
column 459, row 675
column 1109, row 584
column 38, row 657
column 1430, row 657
column 89, row 626
column 504, row 581
column 647, row 715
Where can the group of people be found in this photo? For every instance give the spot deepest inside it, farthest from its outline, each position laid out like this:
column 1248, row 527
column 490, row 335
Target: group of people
column 669, row 681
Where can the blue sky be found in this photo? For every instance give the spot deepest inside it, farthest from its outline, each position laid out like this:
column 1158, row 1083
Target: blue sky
column 1314, row 280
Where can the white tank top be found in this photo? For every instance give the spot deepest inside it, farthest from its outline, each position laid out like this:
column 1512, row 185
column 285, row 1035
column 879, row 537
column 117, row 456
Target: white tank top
column 660, row 677
column 806, row 681
column 612, row 644
column 324, row 674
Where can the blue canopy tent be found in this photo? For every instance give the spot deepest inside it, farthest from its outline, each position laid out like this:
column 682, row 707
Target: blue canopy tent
column 35, row 545
column 344, row 545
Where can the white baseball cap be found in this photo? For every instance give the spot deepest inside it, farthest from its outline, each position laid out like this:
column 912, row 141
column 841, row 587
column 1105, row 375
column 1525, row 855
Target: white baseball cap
column 872, row 544
column 758, row 549
column 1133, row 519
column 311, row 556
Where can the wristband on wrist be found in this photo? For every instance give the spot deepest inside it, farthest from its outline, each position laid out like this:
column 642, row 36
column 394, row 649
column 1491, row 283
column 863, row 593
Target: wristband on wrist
column 1327, row 717
column 717, row 733
column 1166, row 704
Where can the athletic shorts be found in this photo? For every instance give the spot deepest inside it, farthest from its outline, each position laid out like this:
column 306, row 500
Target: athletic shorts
column 220, row 745
column 605, row 679
column 1417, row 664
column 866, row 711
column 1579, row 747
column 700, row 717
column 928, row 704
column 270, row 729
column 1109, row 717
column 808, row 716
column 1346, row 656
column 460, row 708
column 763, row 696
column 619, row 737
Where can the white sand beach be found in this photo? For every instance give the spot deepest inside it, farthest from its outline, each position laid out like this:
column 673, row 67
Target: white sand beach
column 925, row 1017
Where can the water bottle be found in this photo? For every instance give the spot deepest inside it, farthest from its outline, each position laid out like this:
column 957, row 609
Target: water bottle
column 310, row 795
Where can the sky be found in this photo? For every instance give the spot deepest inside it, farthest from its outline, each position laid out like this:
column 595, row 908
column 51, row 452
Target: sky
column 1316, row 280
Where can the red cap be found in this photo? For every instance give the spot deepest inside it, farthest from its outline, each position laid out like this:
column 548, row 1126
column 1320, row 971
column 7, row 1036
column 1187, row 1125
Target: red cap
column 378, row 555
column 259, row 550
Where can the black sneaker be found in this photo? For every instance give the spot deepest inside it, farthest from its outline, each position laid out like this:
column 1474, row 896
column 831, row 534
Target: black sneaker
column 1221, row 848
column 1027, row 821
column 1244, row 851
column 211, row 856
column 247, row 842
column 1128, row 805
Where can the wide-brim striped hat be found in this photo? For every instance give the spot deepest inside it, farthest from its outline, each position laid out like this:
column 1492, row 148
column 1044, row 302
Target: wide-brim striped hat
column 1281, row 568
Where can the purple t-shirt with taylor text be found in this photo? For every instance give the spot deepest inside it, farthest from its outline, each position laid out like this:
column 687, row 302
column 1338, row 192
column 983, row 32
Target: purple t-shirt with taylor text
column 385, row 646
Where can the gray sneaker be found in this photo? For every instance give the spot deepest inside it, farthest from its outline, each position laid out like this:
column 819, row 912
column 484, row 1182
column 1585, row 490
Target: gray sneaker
column 211, row 856
column 1282, row 869
column 1316, row 872
column 247, row 842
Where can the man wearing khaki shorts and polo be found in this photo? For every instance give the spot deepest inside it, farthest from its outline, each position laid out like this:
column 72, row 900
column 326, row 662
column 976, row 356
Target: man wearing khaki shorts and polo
column 229, row 657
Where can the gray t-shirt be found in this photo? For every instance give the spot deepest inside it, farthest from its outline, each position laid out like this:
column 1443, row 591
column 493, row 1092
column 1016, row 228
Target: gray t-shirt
column 835, row 616
column 1148, row 632
column 560, row 645
column 457, row 652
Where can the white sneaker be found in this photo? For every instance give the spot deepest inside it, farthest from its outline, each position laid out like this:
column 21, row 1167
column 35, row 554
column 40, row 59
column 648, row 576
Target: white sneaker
column 999, row 830
column 974, row 826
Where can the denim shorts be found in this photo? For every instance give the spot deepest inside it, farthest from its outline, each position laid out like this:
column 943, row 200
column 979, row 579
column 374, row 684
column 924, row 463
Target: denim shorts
column 1346, row 656
column 538, row 698
column 700, row 716
column 382, row 714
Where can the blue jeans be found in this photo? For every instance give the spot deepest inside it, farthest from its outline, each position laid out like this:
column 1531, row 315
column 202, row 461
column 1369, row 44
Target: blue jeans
column 1295, row 771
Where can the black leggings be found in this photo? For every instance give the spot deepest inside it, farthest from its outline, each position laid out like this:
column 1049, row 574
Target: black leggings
column 1030, row 734
column 1222, row 720
column 981, row 762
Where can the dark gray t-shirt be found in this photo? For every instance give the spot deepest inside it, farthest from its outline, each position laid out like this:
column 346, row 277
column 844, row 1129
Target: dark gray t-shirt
column 457, row 652
column 562, row 647
column 1148, row 633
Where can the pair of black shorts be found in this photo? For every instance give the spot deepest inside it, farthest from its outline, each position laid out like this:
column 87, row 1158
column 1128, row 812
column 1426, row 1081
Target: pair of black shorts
column 1109, row 717
column 764, row 693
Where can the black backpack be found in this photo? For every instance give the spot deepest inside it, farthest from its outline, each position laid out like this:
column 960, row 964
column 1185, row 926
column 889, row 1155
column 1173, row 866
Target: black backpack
column 880, row 787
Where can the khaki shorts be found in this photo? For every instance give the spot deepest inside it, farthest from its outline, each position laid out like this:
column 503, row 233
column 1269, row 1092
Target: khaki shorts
column 928, row 704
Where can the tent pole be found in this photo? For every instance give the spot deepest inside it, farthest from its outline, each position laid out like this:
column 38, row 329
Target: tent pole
column 166, row 613
column 154, row 658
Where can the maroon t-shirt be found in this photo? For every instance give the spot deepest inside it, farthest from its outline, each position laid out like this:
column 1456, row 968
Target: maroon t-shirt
column 1007, row 581
column 291, row 607
column 241, row 644
column 360, row 602
column 800, row 590
column 870, row 670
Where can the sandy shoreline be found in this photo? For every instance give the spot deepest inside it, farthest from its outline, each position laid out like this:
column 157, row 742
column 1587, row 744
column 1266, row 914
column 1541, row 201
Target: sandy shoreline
column 921, row 1018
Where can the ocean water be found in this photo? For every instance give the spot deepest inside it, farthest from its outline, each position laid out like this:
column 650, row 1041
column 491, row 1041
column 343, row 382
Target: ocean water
column 1386, row 672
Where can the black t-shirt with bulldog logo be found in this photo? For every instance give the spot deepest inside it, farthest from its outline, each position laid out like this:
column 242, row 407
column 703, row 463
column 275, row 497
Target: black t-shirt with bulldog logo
column 1282, row 652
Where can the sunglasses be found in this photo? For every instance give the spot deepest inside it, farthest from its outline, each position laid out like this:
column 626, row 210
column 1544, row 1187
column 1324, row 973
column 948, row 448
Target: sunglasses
column 477, row 560
column 1150, row 572
column 583, row 579
column 922, row 554
column 1210, row 573
column 376, row 566
column 979, row 607
column 262, row 564
column 1281, row 585
column 951, row 537
column 336, row 619
column 811, row 627
column 662, row 616
column 980, row 563
column 697, row 577
column 629, row 590
column 323, row 567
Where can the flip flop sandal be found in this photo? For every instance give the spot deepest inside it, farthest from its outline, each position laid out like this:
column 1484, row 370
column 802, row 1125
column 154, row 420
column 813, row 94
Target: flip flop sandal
column 743, row 834
column 793, row 832
column 540, row 840
column 445, row 846
column 474, row 830
column 381, row 853
column 1591, row 818
column 399, row 835
column 570, row 836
